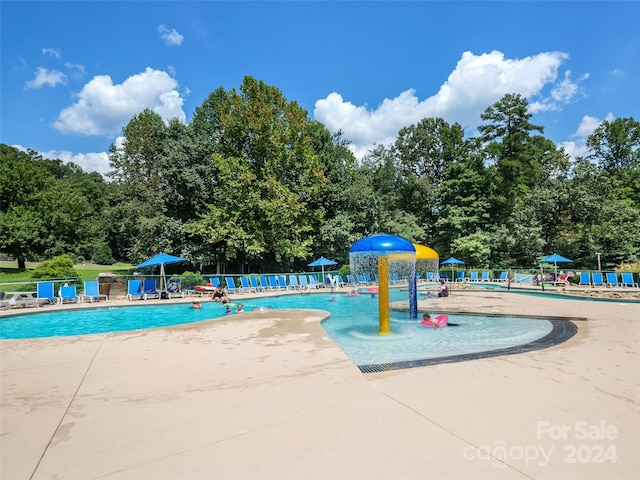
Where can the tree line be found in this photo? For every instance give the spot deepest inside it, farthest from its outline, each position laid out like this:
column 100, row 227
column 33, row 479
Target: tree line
column 252, row 184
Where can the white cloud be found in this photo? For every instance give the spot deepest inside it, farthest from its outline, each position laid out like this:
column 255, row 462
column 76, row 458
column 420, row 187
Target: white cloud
column 89, row 162
column 103, row 108
column 53, row 52
column 170, row 37
column 46, row 77
column 577, row 148
column 77, row 71
column 477, row 82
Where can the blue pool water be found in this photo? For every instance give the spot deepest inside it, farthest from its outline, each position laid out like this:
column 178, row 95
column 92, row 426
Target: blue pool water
column 353, row 325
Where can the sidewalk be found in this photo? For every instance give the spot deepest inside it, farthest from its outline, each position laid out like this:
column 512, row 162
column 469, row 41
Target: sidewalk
column 270, row 396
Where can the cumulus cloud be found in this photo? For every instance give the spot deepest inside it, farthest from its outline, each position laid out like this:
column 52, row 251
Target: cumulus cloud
column 477, row 82
column 577, row 147
column 171, row 37
column 53, row 52
column 89, row 162
column 103, row 108
column 44, row 77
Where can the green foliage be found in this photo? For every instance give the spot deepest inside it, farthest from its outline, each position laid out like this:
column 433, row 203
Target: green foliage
column 103, row 255
column 188, row 280
column 61, row 266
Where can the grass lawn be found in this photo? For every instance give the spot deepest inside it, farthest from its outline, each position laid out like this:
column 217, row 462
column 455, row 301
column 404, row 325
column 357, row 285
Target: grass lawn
column 9, row 271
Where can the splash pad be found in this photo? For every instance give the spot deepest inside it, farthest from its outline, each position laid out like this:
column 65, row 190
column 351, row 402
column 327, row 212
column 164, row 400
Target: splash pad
column 386, row 253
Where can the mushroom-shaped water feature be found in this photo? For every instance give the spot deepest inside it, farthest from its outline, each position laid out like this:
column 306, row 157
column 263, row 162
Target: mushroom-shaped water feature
column 384, row 253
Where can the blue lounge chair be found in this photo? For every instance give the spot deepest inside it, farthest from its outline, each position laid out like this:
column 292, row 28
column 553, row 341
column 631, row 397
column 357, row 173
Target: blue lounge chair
column 231, row 285
column 149, row 289
column 597, row 280
column 360, row 281
column 91, row 291
column 245, row 285
column 627, row 280
column 485, row 277
column 282, row 282
column 255, row 284
column 313, row 282
column 264, row 284
column 585, row 279
column 367, row 278
column 460, row 277
column 474, row 277
column 612, row 279
column 351, row 280
column 302, row 281
column 68, row 294
column 503, row 277
column 215, row 282
column 134, row 290
column 44, row 293
column 293, row 282
column 273, row 283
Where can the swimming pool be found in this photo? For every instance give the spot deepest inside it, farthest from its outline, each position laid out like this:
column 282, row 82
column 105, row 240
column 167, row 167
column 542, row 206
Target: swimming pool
column 353, row 325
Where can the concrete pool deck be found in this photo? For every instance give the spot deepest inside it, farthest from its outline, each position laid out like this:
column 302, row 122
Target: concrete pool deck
column 269, row 396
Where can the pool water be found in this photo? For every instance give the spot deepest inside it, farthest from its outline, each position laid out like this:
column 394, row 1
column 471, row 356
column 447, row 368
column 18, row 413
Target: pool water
column 353, row 325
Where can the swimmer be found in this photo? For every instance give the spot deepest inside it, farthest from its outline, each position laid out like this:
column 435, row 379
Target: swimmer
column 239, row 309
column 196, row 304
column 228, row 310
column 438, row 322
column 352, row 293
column 333, row 298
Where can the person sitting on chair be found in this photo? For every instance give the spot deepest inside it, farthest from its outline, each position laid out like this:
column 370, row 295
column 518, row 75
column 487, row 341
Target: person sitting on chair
column 174, row 286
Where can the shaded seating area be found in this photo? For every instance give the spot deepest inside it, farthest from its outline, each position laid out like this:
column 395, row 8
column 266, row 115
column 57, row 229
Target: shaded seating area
column 149, row 289
column 92, row 292
column 134, row 290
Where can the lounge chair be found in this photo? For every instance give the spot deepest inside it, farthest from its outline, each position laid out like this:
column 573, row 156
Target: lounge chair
column 134, row 290
column 264, row 284
column 92, row 292
column 231, row 285
column 351, row 280
column 45, row 293
column 460, row 277
column 282, row 282
column 174, row 289
column 255, row 284
column 273, row 283
column 367, row 278
column 149, row 289
column 627, row 280
column 215, row 282
column 597, row 280
column 473, row 277
column 563, row 279
column 313, row 282
column 302, row 281
column 485, row 277
column 293, row 282
column 612, row 279
column 245, row 284
column 585, row 279
column 503, row 277
column 68, row 293
column 360, row 281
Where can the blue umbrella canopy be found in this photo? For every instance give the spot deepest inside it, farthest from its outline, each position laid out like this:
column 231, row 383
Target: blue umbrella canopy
column 452, row 261
column 321, row 262
column 161, row 259
column 555, row 258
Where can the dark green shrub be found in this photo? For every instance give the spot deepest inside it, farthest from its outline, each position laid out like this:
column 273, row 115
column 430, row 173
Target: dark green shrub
column 188, row 280
column 103, row 255
column 58, row 267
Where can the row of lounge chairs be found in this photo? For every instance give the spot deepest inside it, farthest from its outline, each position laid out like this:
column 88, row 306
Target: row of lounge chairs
column 483, row 277
column 45, row 294
column 609, row 279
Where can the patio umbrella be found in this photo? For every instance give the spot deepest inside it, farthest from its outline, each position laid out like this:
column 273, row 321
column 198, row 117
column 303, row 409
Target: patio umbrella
column 555, row 259
column 321, row 262
column 161, row 259
column 452, row 261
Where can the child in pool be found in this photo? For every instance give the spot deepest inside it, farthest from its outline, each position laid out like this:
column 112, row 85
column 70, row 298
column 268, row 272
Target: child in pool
column 196, row 304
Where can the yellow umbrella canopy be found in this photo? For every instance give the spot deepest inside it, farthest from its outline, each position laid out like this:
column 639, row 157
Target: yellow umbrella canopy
column 425, row 253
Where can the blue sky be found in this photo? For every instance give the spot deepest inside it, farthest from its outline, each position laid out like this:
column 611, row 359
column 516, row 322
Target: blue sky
column 73, row 74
